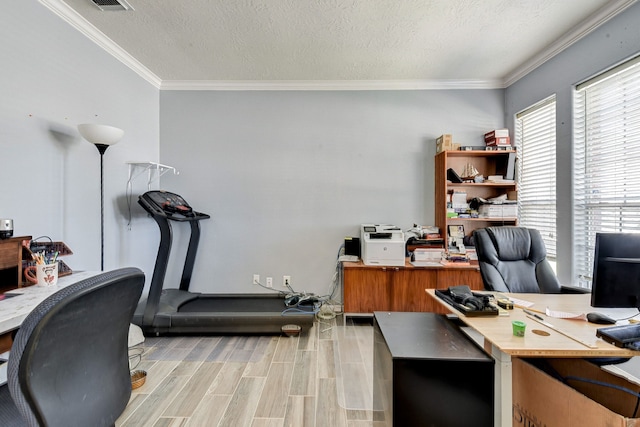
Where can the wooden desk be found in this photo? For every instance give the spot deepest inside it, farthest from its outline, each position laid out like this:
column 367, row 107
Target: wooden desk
column 14, row 310
column 369, row 288
column 11, row 262
column 500, row 342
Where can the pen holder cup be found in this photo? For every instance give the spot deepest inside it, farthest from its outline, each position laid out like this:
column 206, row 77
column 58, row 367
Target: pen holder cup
column 42, row 274
column 518, row 328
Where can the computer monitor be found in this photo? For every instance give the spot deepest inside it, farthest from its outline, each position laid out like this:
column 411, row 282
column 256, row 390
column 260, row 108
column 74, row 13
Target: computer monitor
column 616, row 271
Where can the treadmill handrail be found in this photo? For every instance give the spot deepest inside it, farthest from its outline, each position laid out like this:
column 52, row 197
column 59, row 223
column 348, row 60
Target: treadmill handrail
column 154, row 209
column 162, row 218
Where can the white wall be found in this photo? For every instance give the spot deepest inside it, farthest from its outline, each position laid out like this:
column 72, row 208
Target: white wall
column 610, row 44
column 51, row 79
column 287, row 175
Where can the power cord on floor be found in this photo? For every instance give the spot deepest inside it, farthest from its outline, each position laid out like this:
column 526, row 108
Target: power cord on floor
column 326, row 312
column 135, row 354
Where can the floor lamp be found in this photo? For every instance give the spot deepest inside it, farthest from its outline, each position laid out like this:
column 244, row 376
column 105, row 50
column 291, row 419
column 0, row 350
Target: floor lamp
column 102, row 136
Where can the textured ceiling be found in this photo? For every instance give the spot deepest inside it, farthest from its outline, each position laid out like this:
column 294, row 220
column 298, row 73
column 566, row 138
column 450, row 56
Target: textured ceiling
column 339, row 40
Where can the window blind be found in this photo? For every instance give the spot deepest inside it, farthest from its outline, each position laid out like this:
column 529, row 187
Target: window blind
column 606, row 176
column 536, row 144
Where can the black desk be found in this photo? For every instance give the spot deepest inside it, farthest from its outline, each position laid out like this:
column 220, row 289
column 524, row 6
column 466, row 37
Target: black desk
column 428, row 373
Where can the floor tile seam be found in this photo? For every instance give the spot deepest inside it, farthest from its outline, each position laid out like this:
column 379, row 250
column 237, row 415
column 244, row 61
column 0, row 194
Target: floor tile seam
column 288, row 387
column 257, row 401
column 208, row 387
column 273, row 353
column 123, row 421
column 294, row 347
column 184, row 386
column 315, row 370
column 152, row 396
column 160, row 381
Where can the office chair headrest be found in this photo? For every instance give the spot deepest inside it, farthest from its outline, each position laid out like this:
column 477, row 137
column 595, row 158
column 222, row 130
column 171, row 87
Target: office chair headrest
column 517, row 243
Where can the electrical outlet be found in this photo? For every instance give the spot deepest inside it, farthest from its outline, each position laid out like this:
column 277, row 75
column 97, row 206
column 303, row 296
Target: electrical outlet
column 286, row 281
column 269, row 282
column 256, row 279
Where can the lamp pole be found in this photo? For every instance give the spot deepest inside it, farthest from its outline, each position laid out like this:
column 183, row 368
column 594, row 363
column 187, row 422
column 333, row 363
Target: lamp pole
column 102, row 148
column 102, row 136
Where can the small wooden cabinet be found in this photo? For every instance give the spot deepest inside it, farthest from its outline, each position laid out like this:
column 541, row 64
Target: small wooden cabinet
column 427, row 372
column 375, row 288
column 11, row 262
column 487, row 163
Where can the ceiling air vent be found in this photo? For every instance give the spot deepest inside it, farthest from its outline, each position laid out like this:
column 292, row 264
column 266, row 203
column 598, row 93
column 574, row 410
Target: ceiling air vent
column 112, row 4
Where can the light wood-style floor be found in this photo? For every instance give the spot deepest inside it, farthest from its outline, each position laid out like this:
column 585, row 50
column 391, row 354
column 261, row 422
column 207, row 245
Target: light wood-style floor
column 321, row 378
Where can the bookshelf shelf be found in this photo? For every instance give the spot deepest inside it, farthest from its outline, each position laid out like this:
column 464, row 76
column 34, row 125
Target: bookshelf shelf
column 487, row 163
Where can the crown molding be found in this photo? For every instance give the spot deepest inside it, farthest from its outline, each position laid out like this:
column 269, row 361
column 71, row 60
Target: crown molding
column 318, row 85
column 98, row 37
column 612, row 9
column 76, row 20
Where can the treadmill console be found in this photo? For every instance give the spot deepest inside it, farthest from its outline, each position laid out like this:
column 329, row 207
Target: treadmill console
column 169, row 205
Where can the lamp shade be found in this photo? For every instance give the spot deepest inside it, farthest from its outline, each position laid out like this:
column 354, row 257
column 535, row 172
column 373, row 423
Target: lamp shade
column 100, row 134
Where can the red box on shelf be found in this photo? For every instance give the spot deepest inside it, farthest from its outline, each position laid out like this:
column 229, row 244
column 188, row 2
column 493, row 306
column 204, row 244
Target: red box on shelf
column 499, row 141
column 494, row 134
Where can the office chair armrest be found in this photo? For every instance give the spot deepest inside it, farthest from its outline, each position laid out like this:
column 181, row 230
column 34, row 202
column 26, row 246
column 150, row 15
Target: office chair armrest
column 568, row 289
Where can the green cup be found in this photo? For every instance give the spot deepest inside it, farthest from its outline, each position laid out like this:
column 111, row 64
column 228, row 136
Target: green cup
column 518, row 328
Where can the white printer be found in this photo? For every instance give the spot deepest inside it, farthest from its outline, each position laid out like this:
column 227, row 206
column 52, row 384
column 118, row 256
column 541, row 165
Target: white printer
column 382, row 245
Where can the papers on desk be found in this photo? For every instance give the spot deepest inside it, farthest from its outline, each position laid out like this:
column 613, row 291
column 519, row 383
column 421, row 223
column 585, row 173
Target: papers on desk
column 426, row 263
column 551, row 313
column 521, row 302
column 565, row 315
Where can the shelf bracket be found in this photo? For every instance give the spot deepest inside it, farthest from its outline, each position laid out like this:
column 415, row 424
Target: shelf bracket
column 153, row 170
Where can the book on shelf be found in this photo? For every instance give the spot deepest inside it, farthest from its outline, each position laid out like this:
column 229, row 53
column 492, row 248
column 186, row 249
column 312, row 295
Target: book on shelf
column 498, row 179
column 501, row 141
column 505, row 210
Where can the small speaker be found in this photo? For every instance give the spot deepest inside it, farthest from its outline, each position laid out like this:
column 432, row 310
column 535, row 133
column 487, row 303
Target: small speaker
column 352, row 246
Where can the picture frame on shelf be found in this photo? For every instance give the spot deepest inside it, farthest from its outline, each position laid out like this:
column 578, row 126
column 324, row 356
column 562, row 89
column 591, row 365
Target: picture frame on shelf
column 456, row 231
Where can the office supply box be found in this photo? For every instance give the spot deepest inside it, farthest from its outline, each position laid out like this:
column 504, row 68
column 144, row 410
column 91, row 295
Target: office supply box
column 445, row 143
column 592, row 397
column 382, row 245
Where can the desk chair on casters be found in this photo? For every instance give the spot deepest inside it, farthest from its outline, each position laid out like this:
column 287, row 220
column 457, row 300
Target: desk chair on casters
column 69, row 363
column 514, row 259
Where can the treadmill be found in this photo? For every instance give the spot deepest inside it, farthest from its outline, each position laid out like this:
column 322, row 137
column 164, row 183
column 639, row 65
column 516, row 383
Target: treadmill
column 179, row 311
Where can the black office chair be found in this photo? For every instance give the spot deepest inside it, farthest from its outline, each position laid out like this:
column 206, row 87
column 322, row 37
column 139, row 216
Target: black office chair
column 514, row 259
column 69, row 364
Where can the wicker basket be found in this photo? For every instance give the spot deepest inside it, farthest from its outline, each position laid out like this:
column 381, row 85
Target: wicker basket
column 137, row 379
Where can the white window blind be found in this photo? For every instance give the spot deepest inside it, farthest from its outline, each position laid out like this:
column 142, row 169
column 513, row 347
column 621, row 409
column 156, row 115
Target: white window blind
column 536, row 144
column 606, row 161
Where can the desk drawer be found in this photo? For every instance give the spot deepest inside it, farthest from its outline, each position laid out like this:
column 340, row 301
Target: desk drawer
column 9, row 254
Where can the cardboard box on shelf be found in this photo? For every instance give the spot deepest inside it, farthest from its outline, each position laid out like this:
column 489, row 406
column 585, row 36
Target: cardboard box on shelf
column 445, row 143
column 539, row 399
column 444, row 139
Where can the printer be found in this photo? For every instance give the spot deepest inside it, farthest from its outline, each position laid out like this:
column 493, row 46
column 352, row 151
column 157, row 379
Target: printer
column 382, row 245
